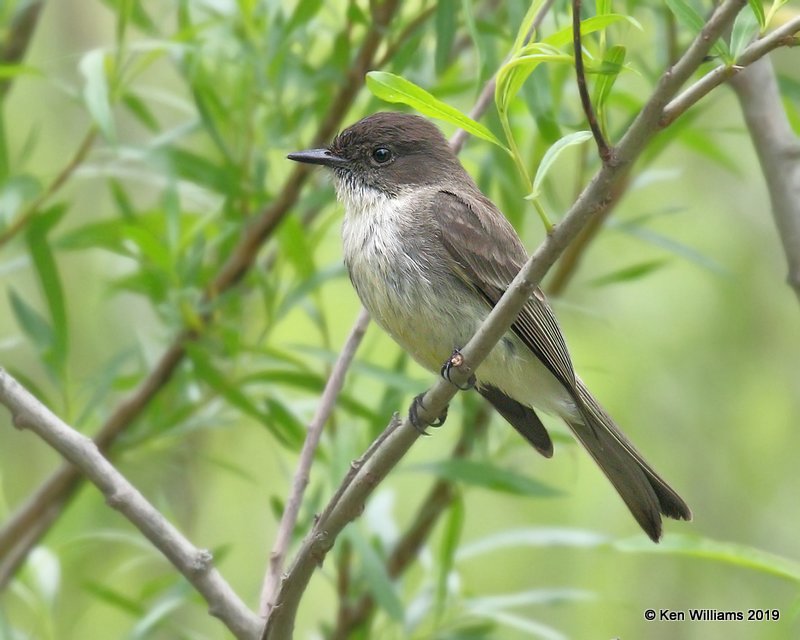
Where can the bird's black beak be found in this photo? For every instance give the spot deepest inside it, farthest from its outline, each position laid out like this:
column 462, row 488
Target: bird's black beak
column 317, row 156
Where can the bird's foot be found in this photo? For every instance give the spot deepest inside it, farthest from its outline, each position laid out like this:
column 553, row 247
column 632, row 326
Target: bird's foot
column 413, row 415
column 455, row 361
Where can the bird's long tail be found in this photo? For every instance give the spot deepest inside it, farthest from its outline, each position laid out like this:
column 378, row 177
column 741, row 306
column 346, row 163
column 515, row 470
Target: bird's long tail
column 645, row 493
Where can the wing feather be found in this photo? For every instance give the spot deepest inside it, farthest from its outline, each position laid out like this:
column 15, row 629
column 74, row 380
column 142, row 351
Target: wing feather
column 489, row 254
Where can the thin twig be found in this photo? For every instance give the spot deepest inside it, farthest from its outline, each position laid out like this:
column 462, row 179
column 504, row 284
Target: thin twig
column 591, row 201
column 27, row 214
column 327, row 403
column 783, row 36
column 195, row 564
column 778, row 150
column 603, row 149
column 51, row 498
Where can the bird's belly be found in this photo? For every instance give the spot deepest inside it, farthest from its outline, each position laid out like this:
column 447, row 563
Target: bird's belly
column 410, row 292
column 430, row 316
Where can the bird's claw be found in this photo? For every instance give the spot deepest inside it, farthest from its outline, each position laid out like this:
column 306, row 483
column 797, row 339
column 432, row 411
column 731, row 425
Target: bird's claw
column 413, row 416
column 455, row 361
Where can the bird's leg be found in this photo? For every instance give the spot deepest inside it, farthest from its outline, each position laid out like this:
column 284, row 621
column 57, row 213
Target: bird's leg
column 455, row 361
column 413, row 415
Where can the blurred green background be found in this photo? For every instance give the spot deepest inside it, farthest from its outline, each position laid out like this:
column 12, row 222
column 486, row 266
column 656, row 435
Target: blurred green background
column 678, row 318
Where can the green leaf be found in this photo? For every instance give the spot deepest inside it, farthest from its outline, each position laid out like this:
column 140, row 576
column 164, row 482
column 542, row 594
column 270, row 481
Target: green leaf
column 15, row 193
column 306, row 286
column 688, row 17
column 105, row 234
column 532, row 537
column 745, row 27
column 513, row 74
column 31, row 322
column 590, row 25
column 392, row 88
column 96, row 93
column 726, row 552
column 446, row 22
column 282, row 422
column 43, row 569
column 158, row 616
column 488, row 476
column 633, row 272
column 674, row 247
column 613, row 60
column 377, row 580
column 757, row 8
column 602, row 7
column 550, row 156
column 453, row 528
column 548, row 597
column 526, row 26
column 222, row 383
column 302, row 14
column 9, row 71
column 141, row 111
column 50, row 280
column 114, row 598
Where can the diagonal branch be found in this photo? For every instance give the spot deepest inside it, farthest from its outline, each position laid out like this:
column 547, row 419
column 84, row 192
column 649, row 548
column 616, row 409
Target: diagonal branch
column 195, row 564
column 783, row 36
column 407, row 548
column 25, row 528
column 347, row 505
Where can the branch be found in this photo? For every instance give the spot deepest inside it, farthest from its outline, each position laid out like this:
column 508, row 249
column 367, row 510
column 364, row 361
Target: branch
column 603, row 149
column 22, row 220
column 195, row 564
column 783, row 36
column 325, row 407
column 408, row 547
column 593, row 199
column 778, row 150
column 55, row 493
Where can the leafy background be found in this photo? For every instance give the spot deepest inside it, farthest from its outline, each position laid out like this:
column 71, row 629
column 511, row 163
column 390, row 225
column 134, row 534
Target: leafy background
column 170, row 122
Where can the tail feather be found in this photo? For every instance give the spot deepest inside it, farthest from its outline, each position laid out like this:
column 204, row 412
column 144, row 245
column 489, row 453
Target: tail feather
column 646, row 494
column 521, row 417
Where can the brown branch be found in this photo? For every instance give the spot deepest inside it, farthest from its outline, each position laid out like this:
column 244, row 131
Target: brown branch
column 50, row 500
column 327, row 403
column 603, row 149
column 195, row 564
column 783, row 36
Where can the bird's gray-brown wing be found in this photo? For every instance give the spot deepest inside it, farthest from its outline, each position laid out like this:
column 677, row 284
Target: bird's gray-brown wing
column 489, row 254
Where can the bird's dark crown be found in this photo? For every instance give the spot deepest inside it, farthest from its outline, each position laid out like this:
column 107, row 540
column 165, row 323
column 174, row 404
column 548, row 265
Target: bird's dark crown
column 389, row 150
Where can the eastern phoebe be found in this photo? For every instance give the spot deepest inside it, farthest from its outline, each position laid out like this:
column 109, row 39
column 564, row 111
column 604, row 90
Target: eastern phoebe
column 429, row 255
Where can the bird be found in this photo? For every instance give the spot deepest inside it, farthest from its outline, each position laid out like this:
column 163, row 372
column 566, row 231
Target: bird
column 429, row 255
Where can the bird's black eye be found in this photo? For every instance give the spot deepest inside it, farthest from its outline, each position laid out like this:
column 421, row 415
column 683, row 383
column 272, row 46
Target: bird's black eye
column 381, row 155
